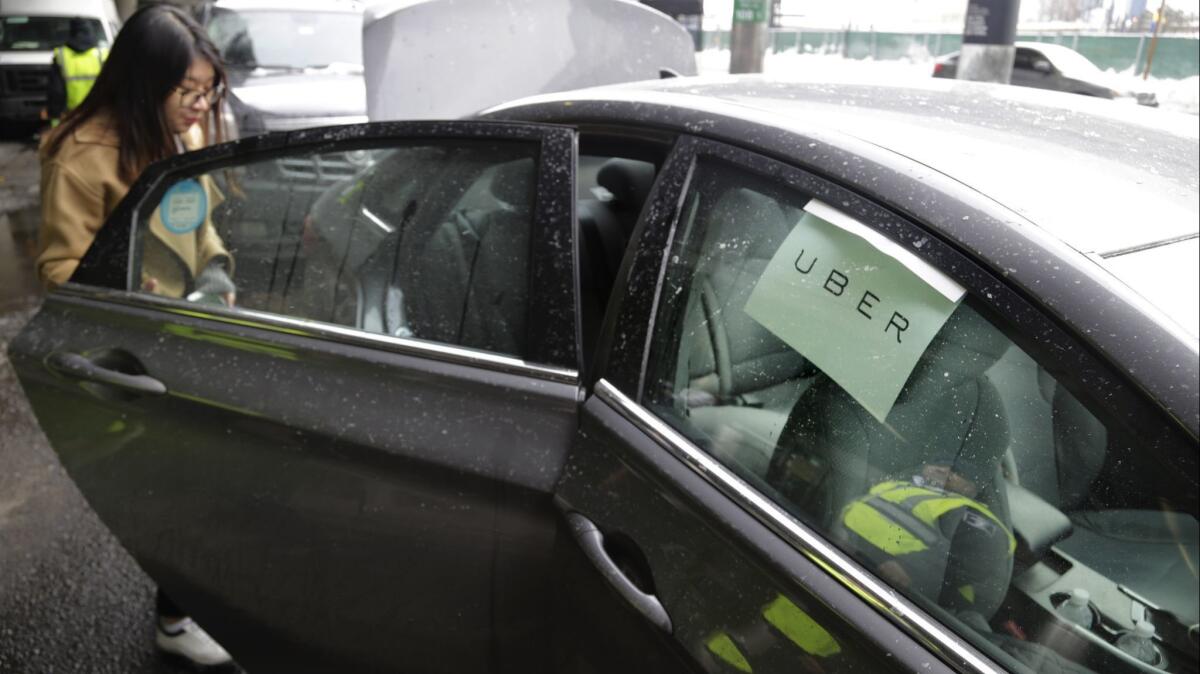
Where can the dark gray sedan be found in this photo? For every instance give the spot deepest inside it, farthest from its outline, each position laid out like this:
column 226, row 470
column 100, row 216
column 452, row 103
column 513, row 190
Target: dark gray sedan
column 721, row 376
column 1044, row 65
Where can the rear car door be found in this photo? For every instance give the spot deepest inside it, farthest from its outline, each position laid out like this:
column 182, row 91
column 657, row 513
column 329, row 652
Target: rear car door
column 665, row 549
column 351, row 467
column 821, row 439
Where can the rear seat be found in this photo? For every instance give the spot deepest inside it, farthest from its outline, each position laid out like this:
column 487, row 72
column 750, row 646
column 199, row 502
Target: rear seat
column 605, row 226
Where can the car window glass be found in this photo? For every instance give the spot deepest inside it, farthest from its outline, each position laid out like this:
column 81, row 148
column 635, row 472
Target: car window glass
column 429, row 241
column 1025, row 57
column 41, row 33
column 953, row 466
column 287, row 39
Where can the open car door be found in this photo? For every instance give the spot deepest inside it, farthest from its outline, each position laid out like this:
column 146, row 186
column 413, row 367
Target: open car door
column 351, row 466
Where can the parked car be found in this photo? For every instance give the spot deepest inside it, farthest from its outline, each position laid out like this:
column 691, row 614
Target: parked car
column 30, row 30
column 722, row 375
column 1044, row 65
column 291, row 65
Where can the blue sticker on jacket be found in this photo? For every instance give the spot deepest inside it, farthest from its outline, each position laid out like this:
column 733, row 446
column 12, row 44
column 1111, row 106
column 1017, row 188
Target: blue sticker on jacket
column 184, row 207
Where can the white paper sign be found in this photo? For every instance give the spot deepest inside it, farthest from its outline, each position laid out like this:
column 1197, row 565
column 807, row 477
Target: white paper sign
column 854, row 303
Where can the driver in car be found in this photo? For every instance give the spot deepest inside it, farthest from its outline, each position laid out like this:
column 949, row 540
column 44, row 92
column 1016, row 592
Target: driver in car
column 927, row 533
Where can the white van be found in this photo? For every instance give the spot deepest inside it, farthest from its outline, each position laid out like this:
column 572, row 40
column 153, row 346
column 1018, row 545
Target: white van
column 29, row 32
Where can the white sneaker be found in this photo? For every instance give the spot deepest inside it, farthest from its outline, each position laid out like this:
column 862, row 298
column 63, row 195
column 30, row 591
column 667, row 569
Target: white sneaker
column 185, row 639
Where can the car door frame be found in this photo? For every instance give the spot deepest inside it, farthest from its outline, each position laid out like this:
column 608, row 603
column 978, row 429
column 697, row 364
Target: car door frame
column 792, row 548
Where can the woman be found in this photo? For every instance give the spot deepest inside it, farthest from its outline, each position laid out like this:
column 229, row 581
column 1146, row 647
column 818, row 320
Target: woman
column 156, row 94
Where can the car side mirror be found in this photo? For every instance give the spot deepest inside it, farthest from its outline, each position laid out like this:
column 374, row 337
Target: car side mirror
column 1043, row 66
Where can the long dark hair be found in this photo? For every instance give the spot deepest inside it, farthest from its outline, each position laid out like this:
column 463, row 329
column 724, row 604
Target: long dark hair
column 149, row 58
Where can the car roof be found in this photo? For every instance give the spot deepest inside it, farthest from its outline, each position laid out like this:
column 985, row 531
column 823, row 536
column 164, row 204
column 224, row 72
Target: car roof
column 1108, row 179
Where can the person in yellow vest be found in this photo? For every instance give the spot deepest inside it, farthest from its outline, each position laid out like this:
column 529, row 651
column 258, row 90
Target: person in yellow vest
column 928, row 533
column 76, row 65
column 156, row 96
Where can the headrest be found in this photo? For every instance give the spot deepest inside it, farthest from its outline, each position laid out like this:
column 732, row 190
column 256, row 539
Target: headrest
column 512, row 183
column 743, row 217
column 967, row 344
column 965, row 347
column 628, row 180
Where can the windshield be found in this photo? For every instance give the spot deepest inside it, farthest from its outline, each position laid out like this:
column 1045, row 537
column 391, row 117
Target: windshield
column 39, row 33
column 287, row 39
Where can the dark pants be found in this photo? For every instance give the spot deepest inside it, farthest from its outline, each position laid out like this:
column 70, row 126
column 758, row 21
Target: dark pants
column 165, row 608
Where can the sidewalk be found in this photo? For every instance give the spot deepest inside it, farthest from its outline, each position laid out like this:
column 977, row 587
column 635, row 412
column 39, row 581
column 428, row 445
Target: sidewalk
column 71, row 598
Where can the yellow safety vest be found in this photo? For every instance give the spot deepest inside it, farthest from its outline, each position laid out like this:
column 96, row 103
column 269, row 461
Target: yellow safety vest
column 788, row 620
column 79, row 71
column 899, row 520
column 880, row 518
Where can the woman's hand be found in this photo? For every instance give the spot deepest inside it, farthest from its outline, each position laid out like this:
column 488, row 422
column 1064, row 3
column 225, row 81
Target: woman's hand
column 214, row 282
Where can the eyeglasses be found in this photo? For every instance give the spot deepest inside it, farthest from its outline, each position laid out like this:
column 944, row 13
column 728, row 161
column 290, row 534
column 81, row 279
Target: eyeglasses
column 189, row 97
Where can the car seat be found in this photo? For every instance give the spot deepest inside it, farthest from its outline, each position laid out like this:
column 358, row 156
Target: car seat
column 467, row 283
column 741, row 379
column 1152, row 552
column 605, row 227
column 833, row 451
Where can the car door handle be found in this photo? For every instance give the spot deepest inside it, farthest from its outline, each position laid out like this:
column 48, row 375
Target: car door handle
column 592, row 541
column 80, row 367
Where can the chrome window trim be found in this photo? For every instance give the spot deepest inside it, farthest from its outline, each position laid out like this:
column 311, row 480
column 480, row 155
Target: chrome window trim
column 325, row 331
column 845, row 570
column 295, row 123
column 375, row 219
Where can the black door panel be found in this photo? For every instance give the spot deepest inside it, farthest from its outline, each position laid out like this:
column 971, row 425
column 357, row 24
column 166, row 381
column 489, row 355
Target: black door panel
column 357, row 503
column 736, row 594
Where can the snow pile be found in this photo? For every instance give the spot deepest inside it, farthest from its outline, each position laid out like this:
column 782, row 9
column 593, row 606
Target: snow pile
column 1178, row 95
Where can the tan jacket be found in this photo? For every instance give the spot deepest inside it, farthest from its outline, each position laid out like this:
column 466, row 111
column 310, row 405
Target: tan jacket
column 80, row 188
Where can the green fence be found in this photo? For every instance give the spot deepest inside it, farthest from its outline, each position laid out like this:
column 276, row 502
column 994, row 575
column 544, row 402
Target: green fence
column 1174, row 58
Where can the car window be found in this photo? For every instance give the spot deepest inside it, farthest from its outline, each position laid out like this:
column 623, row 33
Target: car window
column 427, row 240
column 282, row 39
column 41, row 33
column 878, row 402
column 1025, row 58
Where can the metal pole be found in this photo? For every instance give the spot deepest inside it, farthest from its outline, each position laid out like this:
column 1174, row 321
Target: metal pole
column 748, row 36
column 1162, row 16
column 989, row 31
